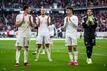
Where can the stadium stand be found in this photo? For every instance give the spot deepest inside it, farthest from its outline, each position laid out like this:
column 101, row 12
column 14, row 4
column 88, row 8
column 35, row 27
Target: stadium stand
column 55, row 8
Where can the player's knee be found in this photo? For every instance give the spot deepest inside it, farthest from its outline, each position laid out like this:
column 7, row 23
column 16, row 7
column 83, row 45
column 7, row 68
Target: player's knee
column 18, row 48
column 26, row 48
column 75, row 49
column 70, row 48
column 39, row 45
column 88, row 46
column 47, row 45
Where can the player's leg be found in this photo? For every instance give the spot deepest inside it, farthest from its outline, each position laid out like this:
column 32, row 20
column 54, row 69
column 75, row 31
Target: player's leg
column 89, row 53
column 26, row 44
column 18, row 48
column 46, row 39
column 38, row 51
column 70, row 55
column 92, row 43
column 88, row 50
column 75, row 52
column 50, row 45
column 26, row 56
column 48, row 52
column 69, row 45
column 19, row 44
column 43, row 46
column 43, row 50
column 39, row 43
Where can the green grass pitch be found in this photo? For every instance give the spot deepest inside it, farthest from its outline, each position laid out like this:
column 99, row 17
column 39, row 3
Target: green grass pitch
column 59, row 55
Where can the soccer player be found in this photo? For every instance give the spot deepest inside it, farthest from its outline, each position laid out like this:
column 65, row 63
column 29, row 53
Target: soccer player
column 52, row 33
column 43, row 37
column 24, row 22
column 70, row 25
column 89, row 23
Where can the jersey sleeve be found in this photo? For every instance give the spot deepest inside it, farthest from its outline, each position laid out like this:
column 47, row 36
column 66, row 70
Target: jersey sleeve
column 49, row 19
column 74, row 21
column 32, row 20
column 37, row 20
column 17, row 18
column 65, row 23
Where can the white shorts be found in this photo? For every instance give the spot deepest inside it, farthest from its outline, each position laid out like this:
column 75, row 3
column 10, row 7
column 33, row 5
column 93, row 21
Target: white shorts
column 22, row 41
column 71, row 41
column 43, row 39
column 50, row 41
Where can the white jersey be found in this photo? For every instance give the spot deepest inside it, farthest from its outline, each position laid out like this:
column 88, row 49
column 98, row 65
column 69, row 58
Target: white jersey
column 71, row 26
column 43, row 27
column 51, row 29
column 25, row 29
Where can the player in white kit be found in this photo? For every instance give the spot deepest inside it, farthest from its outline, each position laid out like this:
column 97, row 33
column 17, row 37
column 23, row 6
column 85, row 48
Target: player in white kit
column 24, row 22
column 51, row 32
column 70, row 25
column 43, row 37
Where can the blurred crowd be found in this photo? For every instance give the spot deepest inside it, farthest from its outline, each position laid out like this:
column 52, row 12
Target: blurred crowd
column 7, row 19
column 102, row 21
column 51, row 3
column 7, row 22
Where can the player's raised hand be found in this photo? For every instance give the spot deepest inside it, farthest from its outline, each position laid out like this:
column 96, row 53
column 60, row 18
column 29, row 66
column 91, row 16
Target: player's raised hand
column 69, row 18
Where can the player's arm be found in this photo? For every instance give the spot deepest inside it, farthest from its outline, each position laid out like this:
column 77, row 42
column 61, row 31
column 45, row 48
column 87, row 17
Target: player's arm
column 31, row 21
column 18, row 21
column 36, row 26
column 84, row 22
column 65, row 23
column 95, row 22
column 37, row 21
column 48, row 20
column 74, row 21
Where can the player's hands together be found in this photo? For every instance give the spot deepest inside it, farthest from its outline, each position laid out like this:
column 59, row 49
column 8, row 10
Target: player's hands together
column 68, row 19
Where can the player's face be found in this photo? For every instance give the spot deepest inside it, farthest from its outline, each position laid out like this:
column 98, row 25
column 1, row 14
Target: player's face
column 28, row 10
column 69, row 11
column 42, row 11
column 89, row 12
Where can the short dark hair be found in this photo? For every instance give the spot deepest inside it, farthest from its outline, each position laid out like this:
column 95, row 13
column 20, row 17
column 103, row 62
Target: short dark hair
column 25, row 7
column 69, row 7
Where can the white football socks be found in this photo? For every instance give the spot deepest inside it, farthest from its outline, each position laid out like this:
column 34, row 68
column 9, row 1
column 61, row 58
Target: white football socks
column 38, row 53
column 70, row 56
column 25, row 55
column 48, row 54
column 75, row 56
column 17, row 55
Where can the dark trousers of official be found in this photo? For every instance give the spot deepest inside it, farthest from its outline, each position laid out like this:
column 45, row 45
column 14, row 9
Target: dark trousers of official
column 89, row 43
